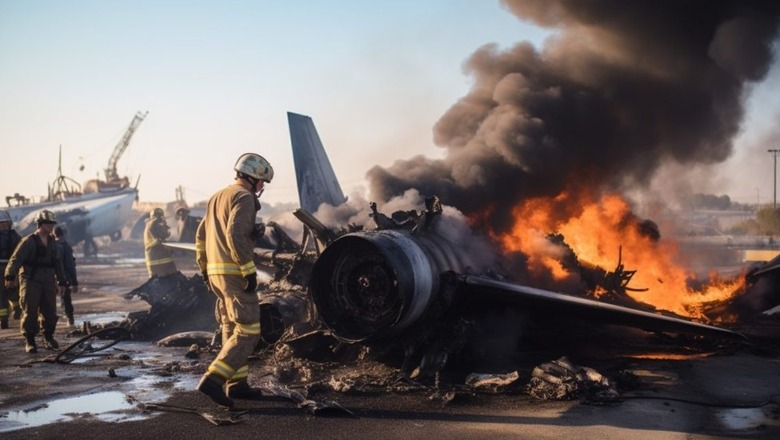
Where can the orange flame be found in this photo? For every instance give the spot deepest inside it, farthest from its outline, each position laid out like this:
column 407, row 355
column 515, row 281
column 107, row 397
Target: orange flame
column 597, row 229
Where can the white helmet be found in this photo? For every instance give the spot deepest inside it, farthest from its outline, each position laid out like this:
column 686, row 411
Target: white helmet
column 45, row 216
column 5, row 217
column 255, row 166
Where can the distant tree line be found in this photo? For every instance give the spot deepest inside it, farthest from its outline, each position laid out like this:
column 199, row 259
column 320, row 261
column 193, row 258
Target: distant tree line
column 767, row 222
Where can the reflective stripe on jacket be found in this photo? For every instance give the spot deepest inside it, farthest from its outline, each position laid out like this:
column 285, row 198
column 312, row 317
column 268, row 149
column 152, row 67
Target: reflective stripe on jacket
column 158, row 257
column 223, row 242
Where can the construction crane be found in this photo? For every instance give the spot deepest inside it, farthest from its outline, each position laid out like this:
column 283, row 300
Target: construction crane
column 111, row 174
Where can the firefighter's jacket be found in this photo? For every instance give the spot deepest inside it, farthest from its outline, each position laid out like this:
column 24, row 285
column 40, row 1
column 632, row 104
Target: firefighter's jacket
column 224, row 243
column 35, row 261
column 159, row 261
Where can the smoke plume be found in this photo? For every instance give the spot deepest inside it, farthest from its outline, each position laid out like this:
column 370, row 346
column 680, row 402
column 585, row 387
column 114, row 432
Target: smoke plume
column 621, row 88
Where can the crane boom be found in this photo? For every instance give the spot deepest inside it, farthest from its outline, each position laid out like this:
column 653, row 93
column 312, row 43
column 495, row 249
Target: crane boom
column 111, row 174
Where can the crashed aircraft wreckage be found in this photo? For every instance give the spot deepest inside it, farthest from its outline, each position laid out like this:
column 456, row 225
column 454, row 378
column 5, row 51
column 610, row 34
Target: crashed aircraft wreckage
column 408, row 288
column 402, row 294
column 403, row 283
column 372, row 284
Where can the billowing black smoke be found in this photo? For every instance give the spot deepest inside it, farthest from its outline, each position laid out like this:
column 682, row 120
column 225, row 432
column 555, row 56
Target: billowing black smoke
column 622, row 88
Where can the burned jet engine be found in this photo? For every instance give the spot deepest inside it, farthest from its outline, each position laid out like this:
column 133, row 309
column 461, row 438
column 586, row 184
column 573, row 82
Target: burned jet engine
column 373, row 284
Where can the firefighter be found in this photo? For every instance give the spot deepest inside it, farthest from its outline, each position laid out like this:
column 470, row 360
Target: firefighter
column 224, row 252
column 9, row 298
column 65, row 254
column 41, row 279
column 187, row 224
column 159, row 261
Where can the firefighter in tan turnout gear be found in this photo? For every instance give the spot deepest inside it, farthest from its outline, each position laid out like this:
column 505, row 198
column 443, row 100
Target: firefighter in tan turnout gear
column 40, row 273
column 224, row 252
column 159, row 261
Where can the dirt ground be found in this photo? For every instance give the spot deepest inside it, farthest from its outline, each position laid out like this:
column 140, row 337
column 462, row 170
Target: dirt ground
column 712, row 392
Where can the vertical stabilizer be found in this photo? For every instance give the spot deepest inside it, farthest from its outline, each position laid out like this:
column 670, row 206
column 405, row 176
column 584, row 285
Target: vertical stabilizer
column 317, row 183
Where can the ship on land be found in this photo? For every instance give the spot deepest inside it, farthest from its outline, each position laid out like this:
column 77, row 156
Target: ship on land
column 96, row 209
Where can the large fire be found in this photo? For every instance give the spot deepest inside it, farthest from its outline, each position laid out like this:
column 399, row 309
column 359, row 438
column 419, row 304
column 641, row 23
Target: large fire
column 602, row 231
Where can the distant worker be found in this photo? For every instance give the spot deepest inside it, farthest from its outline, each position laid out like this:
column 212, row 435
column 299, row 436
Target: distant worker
column 224, row 252
column 159, row 261
column 39, row 275
column 187, row 225
column 90, row 247
column 9, row 298
column 65, row 254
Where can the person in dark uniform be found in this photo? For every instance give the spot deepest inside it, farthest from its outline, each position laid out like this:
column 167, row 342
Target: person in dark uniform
column 65, row 254
column 187, row 225
column 9, row 298
column 40, row 279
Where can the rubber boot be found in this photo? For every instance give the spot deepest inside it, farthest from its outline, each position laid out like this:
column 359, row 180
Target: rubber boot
column 213, row 389
column 4, row 322
column 242, row 390
column 50, row 343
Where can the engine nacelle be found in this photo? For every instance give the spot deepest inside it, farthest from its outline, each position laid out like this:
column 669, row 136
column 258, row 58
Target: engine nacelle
column 372, row 284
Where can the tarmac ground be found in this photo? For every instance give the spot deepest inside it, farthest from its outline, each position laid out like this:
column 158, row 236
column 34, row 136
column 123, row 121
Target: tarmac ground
column 138, row 389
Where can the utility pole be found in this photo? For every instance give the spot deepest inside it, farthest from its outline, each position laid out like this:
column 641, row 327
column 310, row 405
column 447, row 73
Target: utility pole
column 774, row 187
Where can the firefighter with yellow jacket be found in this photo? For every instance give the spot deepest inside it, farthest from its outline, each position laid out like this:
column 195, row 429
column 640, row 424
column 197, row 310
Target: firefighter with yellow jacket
column 224, row 252
column 159, row 261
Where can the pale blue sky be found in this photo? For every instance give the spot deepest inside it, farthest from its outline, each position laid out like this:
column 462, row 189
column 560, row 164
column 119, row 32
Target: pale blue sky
column 218, row 78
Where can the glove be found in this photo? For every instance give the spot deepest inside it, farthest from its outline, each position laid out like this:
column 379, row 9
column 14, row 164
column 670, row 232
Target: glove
column 251, row 283
column 205, row 276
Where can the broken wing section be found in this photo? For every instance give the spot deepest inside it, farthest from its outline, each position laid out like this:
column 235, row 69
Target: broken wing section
column 586, row 309
column 317, row 183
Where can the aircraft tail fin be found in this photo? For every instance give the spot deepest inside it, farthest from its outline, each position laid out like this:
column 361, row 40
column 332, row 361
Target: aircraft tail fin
column 317, row 183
